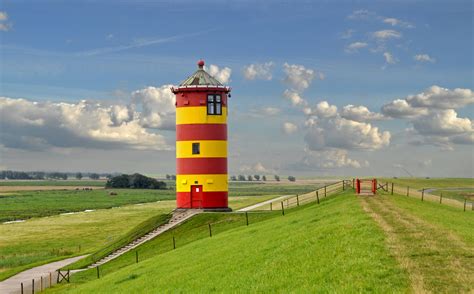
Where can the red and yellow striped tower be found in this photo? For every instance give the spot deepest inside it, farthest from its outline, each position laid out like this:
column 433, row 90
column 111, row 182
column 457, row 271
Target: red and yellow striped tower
column 201, row 142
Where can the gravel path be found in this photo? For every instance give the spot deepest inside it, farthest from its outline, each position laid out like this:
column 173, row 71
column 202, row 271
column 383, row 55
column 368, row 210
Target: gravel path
column 12, row 284
column 251, row 207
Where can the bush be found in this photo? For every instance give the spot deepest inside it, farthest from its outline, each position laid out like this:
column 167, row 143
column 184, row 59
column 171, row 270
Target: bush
column 135, row 181
column 291, row 178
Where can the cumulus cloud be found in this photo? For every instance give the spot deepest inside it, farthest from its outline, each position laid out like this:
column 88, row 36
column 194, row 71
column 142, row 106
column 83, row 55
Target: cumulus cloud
column 299, row 77
column 433, row 117
column 386, row 35
column 41, row 125
column 322, row 110
column 157, row 107
column 389, row 58
column 359, row 113
column 256, row 168
column 354, row 47
column 330, row 159
column 222, row 75
column 289, row 128
column 3, row 25
column 397, row 22
column 262, row 71
column 295, row 98
column 424, row 58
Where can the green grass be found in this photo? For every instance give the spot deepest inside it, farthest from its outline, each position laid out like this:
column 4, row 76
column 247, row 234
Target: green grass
column 28, row 204
column 440, row 185
column 41, row 240
column 450, row 218
column 331, row 247
column 85, row 183
column 262, row 188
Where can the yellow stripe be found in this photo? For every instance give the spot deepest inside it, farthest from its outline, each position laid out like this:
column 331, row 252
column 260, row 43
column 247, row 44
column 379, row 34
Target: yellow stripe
column 208, row 148
column 210, row 183
column 198, row 115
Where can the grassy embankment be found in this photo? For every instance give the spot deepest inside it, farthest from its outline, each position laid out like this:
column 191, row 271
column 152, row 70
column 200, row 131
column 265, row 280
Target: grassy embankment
column 330, row 247
column 455, row 188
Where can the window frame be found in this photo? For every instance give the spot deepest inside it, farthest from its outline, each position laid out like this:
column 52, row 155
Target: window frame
column 214, row 104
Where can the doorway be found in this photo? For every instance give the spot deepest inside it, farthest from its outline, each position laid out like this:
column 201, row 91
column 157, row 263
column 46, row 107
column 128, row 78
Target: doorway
column 196, row 196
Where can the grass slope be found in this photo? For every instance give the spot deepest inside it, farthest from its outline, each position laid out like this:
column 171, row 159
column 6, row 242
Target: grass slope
column 331, row 247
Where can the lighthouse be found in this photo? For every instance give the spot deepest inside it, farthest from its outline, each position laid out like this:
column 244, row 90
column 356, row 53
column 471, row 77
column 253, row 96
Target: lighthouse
column 201, row 142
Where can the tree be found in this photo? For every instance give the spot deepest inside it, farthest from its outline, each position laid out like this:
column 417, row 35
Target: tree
column 135, row 181
column 79, row 176
column 233, row 178
column 291, row 178
column 241, row 178
column 168, row 177
column 264, row 178
column 256, row 177
column 94, row 176
column 249, row 177
column 173, row 177
column 277, row 178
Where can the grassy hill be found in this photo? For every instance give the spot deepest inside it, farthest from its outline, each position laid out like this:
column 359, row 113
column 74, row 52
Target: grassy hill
column 334, row 246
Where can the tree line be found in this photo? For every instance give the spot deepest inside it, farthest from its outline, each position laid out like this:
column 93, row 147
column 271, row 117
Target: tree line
column 39, row 175
column 258, row 178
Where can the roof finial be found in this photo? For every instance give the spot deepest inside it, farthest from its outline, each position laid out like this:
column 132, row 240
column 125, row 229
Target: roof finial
column 201, row 64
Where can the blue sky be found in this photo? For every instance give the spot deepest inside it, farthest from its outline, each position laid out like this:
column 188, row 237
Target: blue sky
column 102, row 51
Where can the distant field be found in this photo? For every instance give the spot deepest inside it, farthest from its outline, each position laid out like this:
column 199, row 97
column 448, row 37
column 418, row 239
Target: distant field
column 27, row 204
column 85, row 183
column 455, row 188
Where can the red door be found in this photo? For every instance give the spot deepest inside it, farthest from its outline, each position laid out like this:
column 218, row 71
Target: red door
column 196, row 196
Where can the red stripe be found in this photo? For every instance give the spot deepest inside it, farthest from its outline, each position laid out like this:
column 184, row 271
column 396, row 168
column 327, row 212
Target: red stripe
column 197, row 98
column 201, row 166
column 189, row 132
column 209, row 200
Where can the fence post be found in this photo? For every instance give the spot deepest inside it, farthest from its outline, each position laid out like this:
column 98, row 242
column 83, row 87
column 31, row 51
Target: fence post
column 33, row 286
column 297, row 200
column 324, row 191
column 288, row 202
column 465, row 200
column 392, row 188
column 440, row 198
column 68, row 275
column 282, row 209
column 50, row 279
column 98, row 272
column 174, row 243
column 41, row 283
column 136, row 256
column 422, row 194
column 343, row 188
column 317, row 196
column 21, row 288
column 271, row 206
column 210, row 230
column 408, row 191
column 353, row 183
column 247, row 218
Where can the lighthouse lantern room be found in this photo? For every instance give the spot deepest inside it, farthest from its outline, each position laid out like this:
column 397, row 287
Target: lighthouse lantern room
column 201, row 142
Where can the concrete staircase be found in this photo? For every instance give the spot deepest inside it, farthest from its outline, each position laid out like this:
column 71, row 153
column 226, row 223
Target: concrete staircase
column 178, row 217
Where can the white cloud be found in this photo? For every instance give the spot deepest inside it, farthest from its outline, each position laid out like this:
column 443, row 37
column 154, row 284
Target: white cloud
column 443, row 123
column 158, row 107
column 386, row 34
column 42, row 125
column 322, row 109
column 424, row 58
column 400, row 108
column 222, row 75
column 441, row 98
column 330, row 159
column 271, row 110
column 389, row 58
column 256, row 168
column 289, row 128
column 397, row 22
column 109, row 36
column 299, row 77
column 3, row 16
column 261, row 71
column 359, row 113
column 295, row 98
column 354, row 47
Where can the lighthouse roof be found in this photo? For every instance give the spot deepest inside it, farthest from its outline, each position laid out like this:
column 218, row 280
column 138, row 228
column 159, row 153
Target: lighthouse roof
column 201, row 78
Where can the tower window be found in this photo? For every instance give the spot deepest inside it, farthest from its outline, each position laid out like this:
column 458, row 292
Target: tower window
column 214, row 104
column 196, row 148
